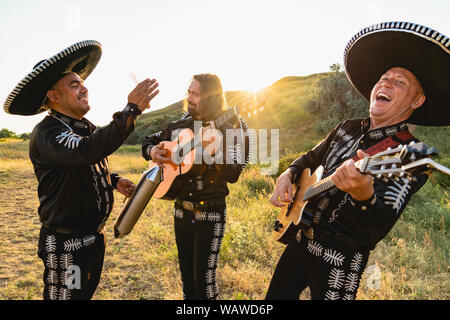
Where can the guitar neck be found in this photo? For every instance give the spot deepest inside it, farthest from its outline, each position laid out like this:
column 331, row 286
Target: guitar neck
column 318, row 187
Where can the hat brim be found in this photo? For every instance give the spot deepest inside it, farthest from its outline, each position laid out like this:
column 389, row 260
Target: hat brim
column 421, row 50
column 28, row 95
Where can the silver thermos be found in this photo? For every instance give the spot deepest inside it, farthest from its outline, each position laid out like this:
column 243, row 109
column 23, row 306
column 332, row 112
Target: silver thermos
column 136, row 204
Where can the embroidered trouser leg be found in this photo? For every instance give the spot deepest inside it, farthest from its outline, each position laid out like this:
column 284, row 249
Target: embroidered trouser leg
column 199, row 237
column 330, row 274
column 73, row 264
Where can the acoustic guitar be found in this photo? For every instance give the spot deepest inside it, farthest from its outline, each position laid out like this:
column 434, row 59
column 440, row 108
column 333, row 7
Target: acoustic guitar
column 401, row 162
column 185, row 147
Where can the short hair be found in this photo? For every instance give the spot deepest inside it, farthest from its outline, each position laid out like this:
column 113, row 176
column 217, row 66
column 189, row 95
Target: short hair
column 211, row 91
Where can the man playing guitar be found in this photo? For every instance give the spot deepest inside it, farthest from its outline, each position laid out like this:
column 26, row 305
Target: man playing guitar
column 351, row 218
column 200, row 197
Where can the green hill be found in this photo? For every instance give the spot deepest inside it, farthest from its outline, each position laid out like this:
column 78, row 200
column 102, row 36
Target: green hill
column 282, row 109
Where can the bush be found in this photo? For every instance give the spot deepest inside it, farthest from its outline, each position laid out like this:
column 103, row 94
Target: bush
column 334, row 100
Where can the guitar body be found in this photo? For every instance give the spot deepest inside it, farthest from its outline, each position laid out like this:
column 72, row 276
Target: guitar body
column 296, row 215
column 170, row 185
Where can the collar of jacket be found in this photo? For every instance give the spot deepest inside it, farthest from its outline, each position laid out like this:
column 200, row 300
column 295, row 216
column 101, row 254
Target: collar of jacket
column 79, row 126
column 383, row 132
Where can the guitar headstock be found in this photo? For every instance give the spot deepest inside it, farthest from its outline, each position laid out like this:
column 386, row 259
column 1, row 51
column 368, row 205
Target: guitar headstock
column 404, row 161
column 250, row 105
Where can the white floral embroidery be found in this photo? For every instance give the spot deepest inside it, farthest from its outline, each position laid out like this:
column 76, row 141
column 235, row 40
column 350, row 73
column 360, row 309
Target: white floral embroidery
column 53, row 292
column 72, row 244
column 336, row 279
column 52, row 261
column 323, row 204
column 356, row 262
column 376, row 134
column 235, row 153
column 348, row 296
column 351, row 283
column 397, row 196
column 210, row 292
column 215, row 245
column 66, row 260
column 212, row 260
column 64, row 294
column 70, row 139
column 391, row 131
column 88, row 240
column 52, row 277
column 218, row 230
column 200, row 216
column 333, row 257
column 50, row 243
column 210, row 275
column 334, row 213
column 332, row 295
column 214, row 216
column 314, row 248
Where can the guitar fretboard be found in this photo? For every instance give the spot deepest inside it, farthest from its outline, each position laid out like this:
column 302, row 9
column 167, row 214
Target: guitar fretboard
column 318, row 188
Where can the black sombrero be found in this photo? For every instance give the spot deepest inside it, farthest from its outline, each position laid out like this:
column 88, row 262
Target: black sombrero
column 423, row 51
column 28, row 95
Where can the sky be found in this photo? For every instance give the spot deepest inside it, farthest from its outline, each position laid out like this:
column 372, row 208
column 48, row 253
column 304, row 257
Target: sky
column 249, row 44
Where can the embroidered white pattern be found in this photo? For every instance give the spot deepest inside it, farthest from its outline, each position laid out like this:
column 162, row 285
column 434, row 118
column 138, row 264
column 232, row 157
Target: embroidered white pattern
column 200, row 216
column 323, row 204
column 52, row 277
column 215, row 245
column 66, row 260
column 314, row 248
column 212, row 260
column 72, row 244
column 217, row 230
column 210, row 291
column 391, row 131
column 317, row 217
column 234, row 152
column 52, row 261
column 356, row 262
column 334, row 213
column 333, row 257
column 50, row 243
column 351, row 283
column 88, row 240
column 70, row 139
column 376, row 134
column 336, row 279
column 53, row 292
column 214, row 216
column 210, row 275
column 397, row 196
column 64, row 294
column 348, row 296
column 332, row 295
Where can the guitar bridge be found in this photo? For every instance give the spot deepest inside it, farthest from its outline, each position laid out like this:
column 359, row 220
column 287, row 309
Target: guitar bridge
column 277, row 225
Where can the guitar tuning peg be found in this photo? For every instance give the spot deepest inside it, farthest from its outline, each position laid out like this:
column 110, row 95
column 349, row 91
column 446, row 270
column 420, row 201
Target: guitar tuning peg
column 379, row 176
column 412, row 143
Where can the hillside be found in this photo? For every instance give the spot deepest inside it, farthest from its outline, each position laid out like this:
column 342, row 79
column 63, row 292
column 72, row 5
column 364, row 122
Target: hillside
column 282, row 102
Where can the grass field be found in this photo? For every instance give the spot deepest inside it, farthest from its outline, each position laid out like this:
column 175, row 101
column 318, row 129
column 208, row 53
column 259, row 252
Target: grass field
column 412, row 262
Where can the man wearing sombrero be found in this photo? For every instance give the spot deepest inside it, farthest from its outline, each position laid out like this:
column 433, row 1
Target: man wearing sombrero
column 75, row 186
column 403, row 70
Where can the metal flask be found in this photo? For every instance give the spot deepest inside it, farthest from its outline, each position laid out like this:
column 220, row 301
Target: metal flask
column 135, row 205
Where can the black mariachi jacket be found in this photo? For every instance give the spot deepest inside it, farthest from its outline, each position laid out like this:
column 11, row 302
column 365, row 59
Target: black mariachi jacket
column 337, row 215
column 207, row 181
column 69, row 158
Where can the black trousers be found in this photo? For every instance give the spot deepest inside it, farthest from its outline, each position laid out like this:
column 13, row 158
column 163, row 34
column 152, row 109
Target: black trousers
column 199, row 237
column 73, row 264
column 330, row 273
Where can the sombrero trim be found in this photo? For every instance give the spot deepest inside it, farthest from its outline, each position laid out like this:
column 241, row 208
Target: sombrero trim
column 422, row 31
column 44, row 65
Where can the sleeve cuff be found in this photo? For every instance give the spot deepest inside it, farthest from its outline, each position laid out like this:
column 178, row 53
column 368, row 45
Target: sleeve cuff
column 114, row 179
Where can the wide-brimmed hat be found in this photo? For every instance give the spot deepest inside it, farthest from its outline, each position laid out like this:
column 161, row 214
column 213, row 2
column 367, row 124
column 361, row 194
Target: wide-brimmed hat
column 29, row 94
column 422, row 50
